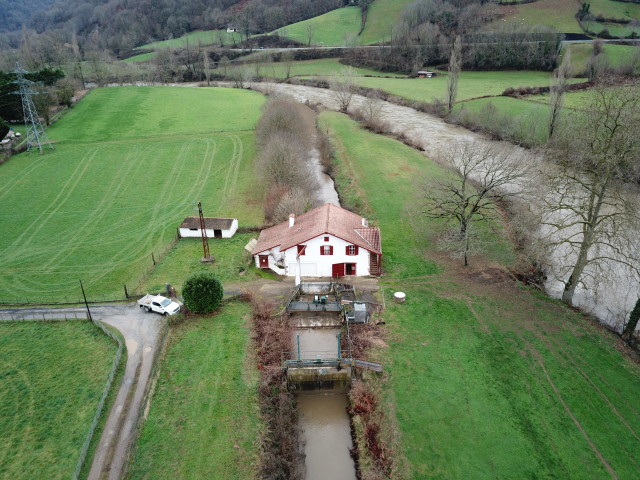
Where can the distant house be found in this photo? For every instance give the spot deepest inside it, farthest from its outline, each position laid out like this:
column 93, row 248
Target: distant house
column 231, row 30
column 328, row 241
column 214, row 227
column 425, row 74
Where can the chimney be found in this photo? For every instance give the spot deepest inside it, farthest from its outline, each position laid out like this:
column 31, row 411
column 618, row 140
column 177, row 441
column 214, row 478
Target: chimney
column 292, row 220
column 364, row 222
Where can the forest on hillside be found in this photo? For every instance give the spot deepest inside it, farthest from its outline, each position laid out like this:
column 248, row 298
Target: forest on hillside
column 121, row 25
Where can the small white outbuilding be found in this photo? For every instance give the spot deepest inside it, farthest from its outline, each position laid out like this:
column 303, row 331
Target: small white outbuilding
column 214, row 227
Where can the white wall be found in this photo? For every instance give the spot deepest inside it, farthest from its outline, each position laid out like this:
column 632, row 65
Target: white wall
column 187, row 233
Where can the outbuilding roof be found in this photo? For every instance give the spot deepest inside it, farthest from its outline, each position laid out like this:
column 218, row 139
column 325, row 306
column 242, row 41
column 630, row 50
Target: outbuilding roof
column 327, row 219
column 211, row 223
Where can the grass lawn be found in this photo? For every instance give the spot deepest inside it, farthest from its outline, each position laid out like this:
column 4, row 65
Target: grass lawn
column 615, row 29
column 200, row 37
column 143, row 57
column 53, row 375
column 203, row 422
column 233, row 263
column 556, row 13
column 128, row 166
column 310, row 68
column 487, row 379
column 470, row 84
column 614, row 9
column 330, row 29
column 382, row 17
column 617, row 54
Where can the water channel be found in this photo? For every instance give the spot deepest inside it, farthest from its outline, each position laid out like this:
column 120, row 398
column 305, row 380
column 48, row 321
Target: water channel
column 324, row 422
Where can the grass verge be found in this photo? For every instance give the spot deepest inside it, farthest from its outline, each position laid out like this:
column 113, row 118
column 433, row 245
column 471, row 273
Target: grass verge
column 486, row 378
column 203, row 421
column 53, row 374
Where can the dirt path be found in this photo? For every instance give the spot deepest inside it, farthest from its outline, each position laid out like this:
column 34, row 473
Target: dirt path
column 141, row 333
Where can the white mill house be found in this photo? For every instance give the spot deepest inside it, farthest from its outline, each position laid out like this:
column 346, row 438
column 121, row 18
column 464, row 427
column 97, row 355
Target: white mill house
column 327, row 241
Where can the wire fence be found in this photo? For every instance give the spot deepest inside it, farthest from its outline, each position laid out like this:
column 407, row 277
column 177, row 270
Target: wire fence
column 99, row 410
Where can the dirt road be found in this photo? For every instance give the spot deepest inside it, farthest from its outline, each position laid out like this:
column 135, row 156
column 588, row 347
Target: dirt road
column 141, row 334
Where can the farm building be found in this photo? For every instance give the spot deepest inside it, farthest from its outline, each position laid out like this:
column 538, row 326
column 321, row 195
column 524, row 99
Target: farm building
column 214, row 227
column 327, row 241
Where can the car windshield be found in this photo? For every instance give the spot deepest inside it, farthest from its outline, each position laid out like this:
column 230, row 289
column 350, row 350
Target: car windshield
column 166, row 302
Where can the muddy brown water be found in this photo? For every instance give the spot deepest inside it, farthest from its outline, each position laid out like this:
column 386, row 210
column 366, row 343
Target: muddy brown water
column 609, row 292
column 326, row 434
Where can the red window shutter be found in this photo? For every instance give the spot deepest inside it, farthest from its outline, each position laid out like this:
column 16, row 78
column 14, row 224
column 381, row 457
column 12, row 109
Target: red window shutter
column 302, row 249
column 321, row 249
column 352, row 250
column 326, row 249
column 330, row 249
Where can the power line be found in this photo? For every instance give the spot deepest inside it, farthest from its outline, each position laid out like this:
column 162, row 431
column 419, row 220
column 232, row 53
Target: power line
column 35, row 131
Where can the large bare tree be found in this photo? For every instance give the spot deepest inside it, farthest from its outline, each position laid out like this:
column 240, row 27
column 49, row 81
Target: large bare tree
column 343, row 84
column 485, row 174
column 589, row 216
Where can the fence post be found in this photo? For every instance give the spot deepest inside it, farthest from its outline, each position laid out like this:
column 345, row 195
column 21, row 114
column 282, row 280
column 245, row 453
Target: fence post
column 153, row 258
column 126, row 293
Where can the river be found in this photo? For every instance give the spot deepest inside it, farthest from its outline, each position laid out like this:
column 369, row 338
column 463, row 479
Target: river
column 609, row 292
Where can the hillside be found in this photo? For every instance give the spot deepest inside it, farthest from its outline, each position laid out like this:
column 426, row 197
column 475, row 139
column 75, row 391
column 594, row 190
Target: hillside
column 14, row 14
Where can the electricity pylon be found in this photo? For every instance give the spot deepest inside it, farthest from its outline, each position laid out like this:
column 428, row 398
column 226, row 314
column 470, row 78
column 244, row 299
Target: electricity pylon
column 35, row 131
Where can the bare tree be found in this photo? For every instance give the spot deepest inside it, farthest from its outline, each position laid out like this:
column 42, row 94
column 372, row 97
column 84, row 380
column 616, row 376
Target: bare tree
column 287, row 59
column 557, row 90
column 309, row 30
column 343, row 84
column 632, row 324
column 587, row 215
column 205, row 61
column 484, row 176
column 372, row 108
column 455, row 65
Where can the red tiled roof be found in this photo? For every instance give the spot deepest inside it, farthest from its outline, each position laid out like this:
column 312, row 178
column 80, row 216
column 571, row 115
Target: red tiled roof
column 327, row 219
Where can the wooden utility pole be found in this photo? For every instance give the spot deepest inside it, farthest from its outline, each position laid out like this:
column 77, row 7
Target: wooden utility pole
column 205, row 242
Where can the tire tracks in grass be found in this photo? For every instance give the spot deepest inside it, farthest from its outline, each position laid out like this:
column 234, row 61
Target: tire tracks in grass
column 9, row 186
column 230, row 187
column 20, row 245
column 85, row 231
column 577, row 423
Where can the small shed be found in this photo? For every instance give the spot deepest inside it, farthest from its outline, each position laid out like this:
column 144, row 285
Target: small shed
column 425, row 74
column 214, row 227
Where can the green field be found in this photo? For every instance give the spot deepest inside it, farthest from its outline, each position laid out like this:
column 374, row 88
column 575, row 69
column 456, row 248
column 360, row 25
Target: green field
column 470, row 84
column 203, row 422
column 197, row 38
column 617, row 55
column 615, row 9
column 233, row 264
column 325, row 67
column 128, row 166
column 382, row 17
column 53, row 375
column 556, row 13
column 143, row 57
column 486, row 379
column 614, row 29
column 331, row 29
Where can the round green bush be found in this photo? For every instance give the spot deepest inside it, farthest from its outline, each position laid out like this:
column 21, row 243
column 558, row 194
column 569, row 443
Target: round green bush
column 202, row 292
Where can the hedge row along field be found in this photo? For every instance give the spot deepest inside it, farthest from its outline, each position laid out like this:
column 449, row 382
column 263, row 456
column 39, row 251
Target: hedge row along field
column 128, row 165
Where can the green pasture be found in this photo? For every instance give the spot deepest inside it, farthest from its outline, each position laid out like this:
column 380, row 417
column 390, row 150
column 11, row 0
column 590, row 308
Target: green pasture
column 555, row 13
column 382, row 17
column 203, row 421
column 615, row 29
column 470, row 84
column 53, row 374
column 331, row 29
column 195, row 39
column 616, row 54
column 143, row 57
column 615, row 9
column 128, row 166
column 233, row 264
column 325, row 67
column 485, row 379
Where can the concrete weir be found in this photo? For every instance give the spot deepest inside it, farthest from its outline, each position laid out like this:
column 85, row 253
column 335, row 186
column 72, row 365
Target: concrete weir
column 320, row 377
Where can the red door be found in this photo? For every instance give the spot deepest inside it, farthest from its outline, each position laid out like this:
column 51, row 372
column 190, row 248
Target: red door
column 337, row 270
column 264, row 261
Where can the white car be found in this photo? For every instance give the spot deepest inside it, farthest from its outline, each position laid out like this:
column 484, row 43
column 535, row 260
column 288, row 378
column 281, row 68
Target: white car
column 159, row 304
